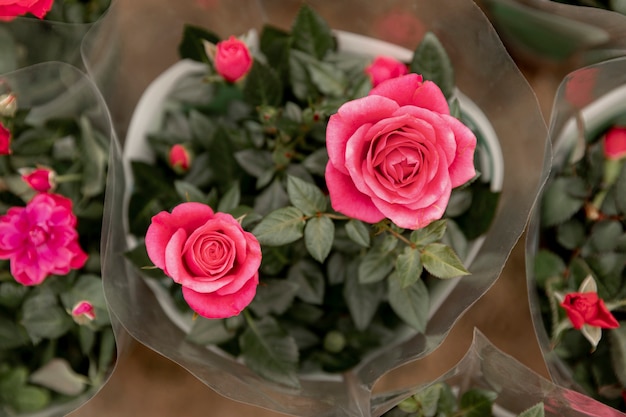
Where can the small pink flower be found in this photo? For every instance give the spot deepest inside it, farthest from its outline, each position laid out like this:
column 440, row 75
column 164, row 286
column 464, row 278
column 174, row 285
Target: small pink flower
column 179, row 158
column 615, row 143
column 579, row 87
column 39, row 179
column 209, row 254
column 588, row 308
column 232, row 59
column 83, row 312
column 5, row 140
column 397, row 154
column 41, row 239
column 10, row 9
column 384, row 68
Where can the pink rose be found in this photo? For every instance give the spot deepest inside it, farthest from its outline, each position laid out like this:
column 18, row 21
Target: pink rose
column 397, row 154
column 615, row 143
column 209, row 254
column 384, row 68
column 39, row 179
column 587, row 308
column 41, row 239
column 10, row 9
column 179, row 158
column 5, row 140
column 83, row 312
column 232, row 59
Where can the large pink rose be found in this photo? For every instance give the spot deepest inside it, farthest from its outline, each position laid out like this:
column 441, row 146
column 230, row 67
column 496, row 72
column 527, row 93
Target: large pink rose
column 209, row 254
column 397, row 154
column 232, row 59
column 10, row 9
column 41, row 239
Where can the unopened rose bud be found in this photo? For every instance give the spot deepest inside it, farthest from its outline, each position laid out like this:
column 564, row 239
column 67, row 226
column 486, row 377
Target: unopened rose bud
column 384, row 68
column 5, row 140
column 615, row 143
column 8, row 105
column 179, row 158
column 39, row 179
column 232, row 59
column 83, row 312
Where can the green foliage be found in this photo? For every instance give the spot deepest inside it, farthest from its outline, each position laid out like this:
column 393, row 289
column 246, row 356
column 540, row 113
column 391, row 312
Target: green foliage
column 432, row 61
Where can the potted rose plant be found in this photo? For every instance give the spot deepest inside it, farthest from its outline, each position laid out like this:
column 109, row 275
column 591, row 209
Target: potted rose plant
column 320, row 278
column 56, row 341
column 576, row 252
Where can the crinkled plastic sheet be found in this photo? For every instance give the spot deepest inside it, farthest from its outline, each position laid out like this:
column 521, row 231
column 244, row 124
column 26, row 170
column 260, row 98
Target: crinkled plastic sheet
column 598, row 94
column 73, row 95
column 484, row 366
column 484, row 72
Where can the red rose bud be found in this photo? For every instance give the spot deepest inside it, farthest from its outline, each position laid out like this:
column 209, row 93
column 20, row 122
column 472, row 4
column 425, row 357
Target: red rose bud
column 232, row 59
column 83, row 312
column 8, row 105
column 5, row 140
column 179, row 158
column 40, row 179
column 587, row 308
column 615, row 143
column 384, row 68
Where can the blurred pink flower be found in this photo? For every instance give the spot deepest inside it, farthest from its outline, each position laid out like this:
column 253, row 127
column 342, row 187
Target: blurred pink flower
column 400, row 27
column 384, row 68
column 10, row 9
column 615, row 143
column 5, row 140
column 179, row 158
column 579, row 87
column 83, row 312
column 41, row 239
column 208, row 4
column 232, row 59
column 39, row 179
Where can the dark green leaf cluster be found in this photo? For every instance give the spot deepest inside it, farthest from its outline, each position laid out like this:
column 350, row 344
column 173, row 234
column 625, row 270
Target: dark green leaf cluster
column 332, row 288
column 583, row 220
column 35, row 323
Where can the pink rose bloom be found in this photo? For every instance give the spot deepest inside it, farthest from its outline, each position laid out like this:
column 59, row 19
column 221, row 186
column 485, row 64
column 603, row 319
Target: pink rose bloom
column 179, row 158
column 397, row 154
column 232, row 59
column 615, row 143
column 10, row 9
column 5, row 140
column 587, row 308
column 41, row 239
column 39, row 179
column 384, row 68
column 209, row 254
column 83, row 312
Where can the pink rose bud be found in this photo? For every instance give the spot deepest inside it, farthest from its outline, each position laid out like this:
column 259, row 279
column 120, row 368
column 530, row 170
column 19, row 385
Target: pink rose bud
column 232, row 59
column 8, row 105
column 83, row 312
column 10, row 9
column 40, row 179
column 384, row 68
column 5, row 140
column 615, row 143
column 179, row 158
column 587, row 308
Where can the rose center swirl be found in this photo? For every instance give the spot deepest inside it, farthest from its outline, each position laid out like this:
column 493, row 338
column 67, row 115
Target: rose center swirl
column 38, row 235
column 211, row 254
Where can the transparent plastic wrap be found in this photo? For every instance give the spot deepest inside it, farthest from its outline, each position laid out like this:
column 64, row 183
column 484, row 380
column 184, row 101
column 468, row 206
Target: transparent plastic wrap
column 64, row 327
column 484, row 73
column 589, row 103
column 552, row 32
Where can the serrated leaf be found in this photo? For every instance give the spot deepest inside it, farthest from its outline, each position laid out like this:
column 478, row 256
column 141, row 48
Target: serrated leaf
column 270, row 352
column 409, row 303
column 274, row 296
column 191, row 46
column 362, row 299
column 230, row 200
column 358, row 232
column 409, row 267
column 604, row 235
column 536, row 410
column 311, row 33
column 280, row 227
column 262, row 86
column 189, row 192
column 319, row 234
column 477, row 402
column 430, row 234
column 255, row 162
column 316, row 162
column 432, row 61
column 306, row 196
column 202, row 127
column 206, row 332
column 441, row 261
column 375, row 266
column 561, row 200
column 428, row 399
column 310, row 280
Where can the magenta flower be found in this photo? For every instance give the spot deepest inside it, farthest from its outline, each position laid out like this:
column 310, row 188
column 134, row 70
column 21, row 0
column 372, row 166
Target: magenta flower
column 232, row 59
column 615, row 143
column 39, row 179
column 384, row 68
column 179, row 158
column 10, row 9
column 41, row 239
column 5, row 140
column 83, row 312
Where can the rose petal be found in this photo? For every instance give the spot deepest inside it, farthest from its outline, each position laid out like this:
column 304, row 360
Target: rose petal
column 411, row 90
column 462, row 167
column 215, row 306
column 248, row 268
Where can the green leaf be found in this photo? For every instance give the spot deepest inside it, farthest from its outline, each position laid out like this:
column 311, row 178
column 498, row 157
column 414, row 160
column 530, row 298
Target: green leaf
column 206, row 332
column 432, row 61
column 605, row 234
column 189, row 192
column 230, row 200
column 409, row 303
column 272, row 198
column 310, row 280
column 29, row 399
column 274, row 44
column 375, row 266
column 262, row 86
column 618, row 351
column 358, row 232
column 620, row 184
column 192, row 47
column 12, row 335
column 561, row 200
column 280, row 227
column 316, row 162
column 95, row 159
column 319, row 234
column 441, row 261
column 362, row 299
column 222, row 157
column 536, row 410
column 409, row 267
column 328, row 79
column 275, row 296
column 202, row 127
column 12, row 294
column 43, row 317
column 571, row 234
column 255, row 162
column 57, row 375
column 8, row 51
column 311, row 33
column 547, row 265
column 477, row 402
column 306, row 196
column 477, row 220
column 270, row 352
column 430, row 234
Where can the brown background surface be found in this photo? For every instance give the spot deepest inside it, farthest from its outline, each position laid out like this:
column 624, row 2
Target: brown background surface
column 146, row 384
